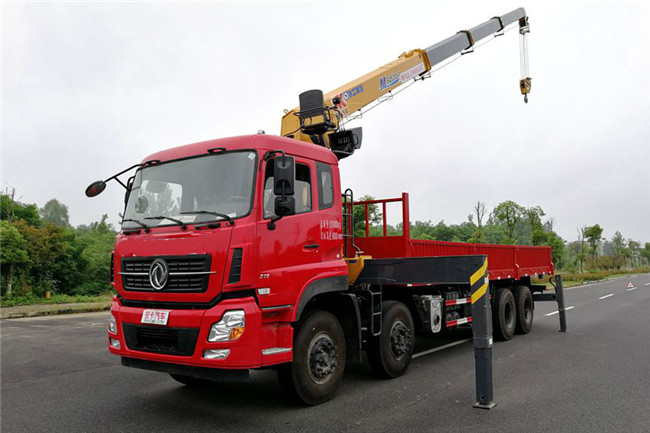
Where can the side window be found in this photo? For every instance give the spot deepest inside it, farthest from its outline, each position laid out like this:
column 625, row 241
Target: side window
column 325, row 185
column 302, row 190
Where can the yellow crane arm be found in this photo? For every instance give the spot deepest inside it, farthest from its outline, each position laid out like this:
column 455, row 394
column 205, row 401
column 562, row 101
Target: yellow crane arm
column 319, row 116
column 357, row 94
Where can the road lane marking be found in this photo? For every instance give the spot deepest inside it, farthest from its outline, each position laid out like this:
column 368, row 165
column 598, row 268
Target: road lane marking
column 647, row 284
column 556, row 311
column 606, row 296
column 631, row 288
column 446, row 346
column 595, row 283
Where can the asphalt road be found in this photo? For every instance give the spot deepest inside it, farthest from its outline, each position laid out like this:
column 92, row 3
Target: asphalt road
column 58, row 376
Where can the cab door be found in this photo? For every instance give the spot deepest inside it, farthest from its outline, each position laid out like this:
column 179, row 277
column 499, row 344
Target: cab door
column 290, row 255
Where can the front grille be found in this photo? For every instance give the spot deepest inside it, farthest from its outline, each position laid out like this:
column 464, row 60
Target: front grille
column 192, row 273
column 169, row 341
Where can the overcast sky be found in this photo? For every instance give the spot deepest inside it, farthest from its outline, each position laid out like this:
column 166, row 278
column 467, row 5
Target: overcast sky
column 91, row 88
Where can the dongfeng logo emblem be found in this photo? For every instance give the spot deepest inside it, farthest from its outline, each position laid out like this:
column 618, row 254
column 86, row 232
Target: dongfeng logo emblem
column 158, row 274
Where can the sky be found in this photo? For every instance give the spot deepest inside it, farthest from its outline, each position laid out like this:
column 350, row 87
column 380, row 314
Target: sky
column 90, row 88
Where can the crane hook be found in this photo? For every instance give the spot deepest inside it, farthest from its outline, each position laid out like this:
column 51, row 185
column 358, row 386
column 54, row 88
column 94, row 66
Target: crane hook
column 524, row 87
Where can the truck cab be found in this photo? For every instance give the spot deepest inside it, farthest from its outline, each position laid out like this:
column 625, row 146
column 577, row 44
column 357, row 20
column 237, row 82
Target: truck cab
column 207, row 274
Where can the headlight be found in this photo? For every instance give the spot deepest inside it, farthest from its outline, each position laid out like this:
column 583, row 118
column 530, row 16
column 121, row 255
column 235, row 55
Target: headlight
column 112, row 325
column 230, row 327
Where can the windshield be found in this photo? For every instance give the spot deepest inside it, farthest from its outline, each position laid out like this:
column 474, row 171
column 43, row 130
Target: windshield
column 219, row 183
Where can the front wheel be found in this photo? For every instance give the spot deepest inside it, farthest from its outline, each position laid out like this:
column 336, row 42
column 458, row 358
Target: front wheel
column 318, row 360
column 390, row 353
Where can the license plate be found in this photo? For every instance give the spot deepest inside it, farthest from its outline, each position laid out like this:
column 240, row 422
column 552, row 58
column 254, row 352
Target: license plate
column 155, row 317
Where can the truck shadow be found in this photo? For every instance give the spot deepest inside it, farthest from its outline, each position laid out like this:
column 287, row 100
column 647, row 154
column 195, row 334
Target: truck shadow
column 262, row 392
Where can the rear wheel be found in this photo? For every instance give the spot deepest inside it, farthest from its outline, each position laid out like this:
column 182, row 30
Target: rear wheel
column 525, row 307
column 318, row 360
column 504, row 315
column 390, row 353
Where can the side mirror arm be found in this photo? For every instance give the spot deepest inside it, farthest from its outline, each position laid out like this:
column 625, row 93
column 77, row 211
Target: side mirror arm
column 271, row 224
column 91, row 191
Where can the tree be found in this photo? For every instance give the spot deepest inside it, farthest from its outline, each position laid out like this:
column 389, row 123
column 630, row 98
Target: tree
column 11, row 209
column 45, row 247
column 557, row 245
column 13, row 252
column 374, row 217
column 593, row 235
column 56, row 213
column 645, row 252
column 422, row 230
column 464, row 231
column 581, row 253
column 96, row 244
column 635, row 251
column 443, row 232
column 477, row 237
column 494, row 234
column 533, row 216
column 479, row 211
column 619, row 248
column 549, row 224
column 508, row 214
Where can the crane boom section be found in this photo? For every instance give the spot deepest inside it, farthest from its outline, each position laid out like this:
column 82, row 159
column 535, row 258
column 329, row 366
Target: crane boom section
column 319, row 122
column 357, row 94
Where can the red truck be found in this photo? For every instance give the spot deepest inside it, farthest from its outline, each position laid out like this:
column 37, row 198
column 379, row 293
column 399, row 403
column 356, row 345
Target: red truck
column 240, row 253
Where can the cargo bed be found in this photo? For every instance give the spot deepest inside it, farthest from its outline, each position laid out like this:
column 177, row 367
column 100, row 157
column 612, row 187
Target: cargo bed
column 504, row 261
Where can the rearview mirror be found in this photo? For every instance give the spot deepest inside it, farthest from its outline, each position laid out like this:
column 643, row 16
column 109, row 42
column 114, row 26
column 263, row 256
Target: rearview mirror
column 284, row 177
column 95, row 188
column 284, row 168
column 285, row 206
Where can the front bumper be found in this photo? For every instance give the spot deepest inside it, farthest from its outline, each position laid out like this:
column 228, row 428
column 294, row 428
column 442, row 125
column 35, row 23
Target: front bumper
column 264, row 341
column 213, row 374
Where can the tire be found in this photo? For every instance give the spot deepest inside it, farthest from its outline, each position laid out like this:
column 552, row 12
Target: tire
column 390, row 353
column 190, row 381
column 504, row 317
column 525, row 307
column 318, row 360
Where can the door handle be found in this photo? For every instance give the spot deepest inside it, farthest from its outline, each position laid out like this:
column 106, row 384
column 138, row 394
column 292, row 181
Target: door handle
column 311, row 246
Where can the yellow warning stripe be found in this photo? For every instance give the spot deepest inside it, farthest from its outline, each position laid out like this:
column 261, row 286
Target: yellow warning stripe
column 480, row 292
column 478, row 274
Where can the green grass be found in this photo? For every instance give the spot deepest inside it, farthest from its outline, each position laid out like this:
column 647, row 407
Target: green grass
column 30, row 299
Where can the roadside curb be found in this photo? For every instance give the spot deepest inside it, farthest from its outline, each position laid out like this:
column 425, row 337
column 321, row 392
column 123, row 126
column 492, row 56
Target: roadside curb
column 52, row 310
column 588, row 283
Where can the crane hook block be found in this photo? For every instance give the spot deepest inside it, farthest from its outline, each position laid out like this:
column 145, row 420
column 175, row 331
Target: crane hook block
column 524, row 86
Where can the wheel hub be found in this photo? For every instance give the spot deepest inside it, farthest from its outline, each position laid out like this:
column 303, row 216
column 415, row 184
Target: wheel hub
column 400, row 339
column 323, row 358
